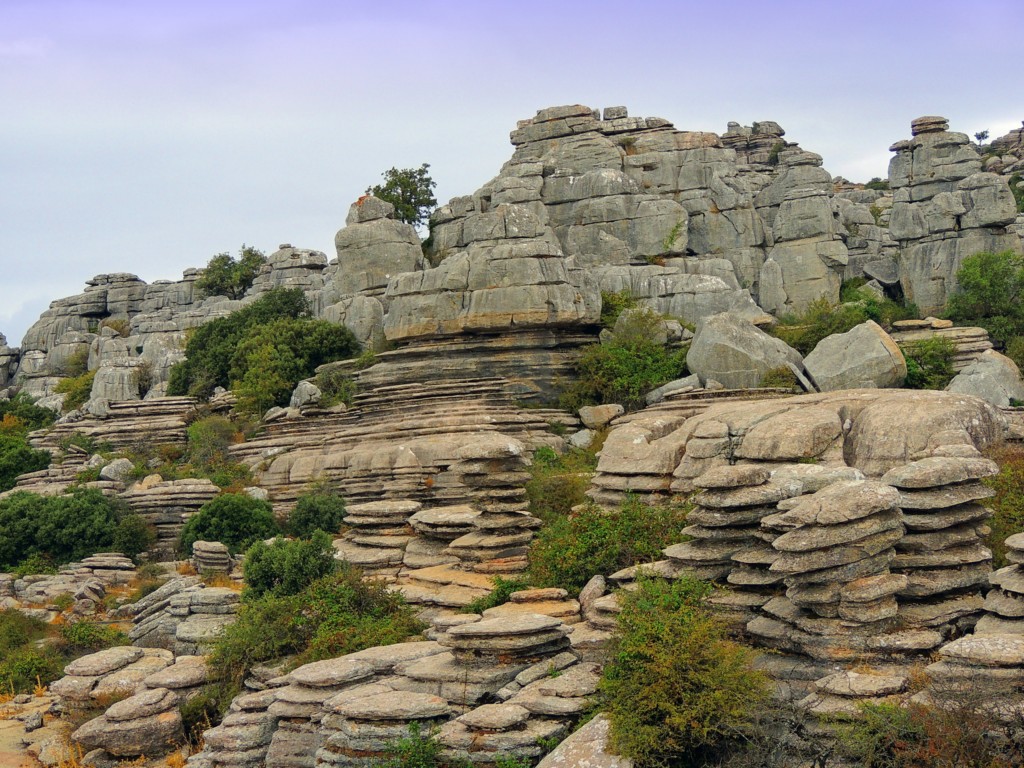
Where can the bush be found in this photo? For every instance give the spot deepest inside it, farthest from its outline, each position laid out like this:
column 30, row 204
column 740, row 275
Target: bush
column 414, row 751
column 676, row 690
column 17, row 630
column 209, row 440
column 990, row 286
column 234, row 519
column 877, row 183
column 316, row 511
column 781, row 377
column 20, row 415
column 122, row 326
column 224, row 276
column 86, row 636
column 23, row 669
column 17, row 457
column 1008, row 504
column 335, row 387
column 626, row 368
column 559, row 483
column 571, row 549
column 821, row 318
column 288, row 567
column 613, row 304
column 410, row 190
column 503, row 589
column 59, row 528
column 263, row 350
column 333, row 616
column 133, row 536
column 77, row 390
column 1018, row 192
column 929, row 363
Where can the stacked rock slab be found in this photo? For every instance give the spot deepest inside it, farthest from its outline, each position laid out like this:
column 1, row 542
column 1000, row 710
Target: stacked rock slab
column 835, row 548
column 727, row 519
column 211, row 557
column 1004, row 604
column 942, row 554
column 145, row 723
column 437, row 528
column 843, row 694
column 186, row 677
column 153, row 626
column 242, row 737
column 945, row 208
column 987, row 670
column 167, row 505
column 203, row 614
column 112, row 672
column 299, row 707
column 378, row 534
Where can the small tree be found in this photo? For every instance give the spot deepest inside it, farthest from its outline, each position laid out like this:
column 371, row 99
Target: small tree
column 410, row 190
column 225, row 276
column 234, row 519
column 981, row 136
column 990, row 293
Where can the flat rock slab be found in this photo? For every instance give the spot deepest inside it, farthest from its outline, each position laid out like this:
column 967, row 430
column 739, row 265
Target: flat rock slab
column 145, row 735
column 150, row 702
column 395, row 705
column 937, row 471
column 587, row 748
column 986, row 650
column 104, row 662
column 840, row 502
column 494, row 717
column 733, row 476
column 185, row 672
column 332, row 672
column 521, row 624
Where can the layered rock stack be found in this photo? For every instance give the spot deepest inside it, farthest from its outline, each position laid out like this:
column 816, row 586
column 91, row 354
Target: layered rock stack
column 142, row 724
column 166, row 505
column 202, row 616
column 153, row 626
column 835, row 548
column 942, row 555
column 843, row 694
column 186, row 677
column 243, row 736
column 378, row 534
column 984, row 671
column 437, row 528
column 1004, row 604
column 944, row 209
column 113, row 672
column 727, row 519
column 211, row 557
column 368, row 721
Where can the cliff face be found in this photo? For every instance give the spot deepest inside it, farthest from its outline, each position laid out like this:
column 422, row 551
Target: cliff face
column 690, row 223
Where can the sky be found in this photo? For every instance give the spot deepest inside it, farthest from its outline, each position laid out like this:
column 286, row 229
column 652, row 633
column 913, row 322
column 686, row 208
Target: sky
column 146, row 136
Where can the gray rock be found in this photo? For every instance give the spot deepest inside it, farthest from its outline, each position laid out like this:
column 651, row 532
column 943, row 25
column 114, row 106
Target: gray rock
column 736, row 353
column 581, row 439
column 688, row 382
column 863, row 357
column 306, row 393
column 586, row 747
column 598, row 416
column 145, row 735
column 992, row 377
column 119, row 470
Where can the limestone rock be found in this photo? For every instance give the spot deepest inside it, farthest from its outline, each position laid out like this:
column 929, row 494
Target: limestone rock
column 864, row 356
column 736, row 353
column 992, row 377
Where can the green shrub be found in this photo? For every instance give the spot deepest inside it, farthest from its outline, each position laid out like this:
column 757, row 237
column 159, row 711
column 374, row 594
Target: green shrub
column 1015, row 351
column 35, row 563
column 85, row 636
column 224, row 276
column 334, row 615
column 626, row 368
column 288, row 567
column 559, row 483
column 571, row 549
column 77, row 390
column 59, row 528
column 413, row 751
column 929, row 363
column 29, row 415
column 234, row 519
column 781, row 377
column 613, row 304
column 990, row 286
column 503, row 589
column 676, row 691
column 211, row 346
column 877, row 183
column 77, row 363
column 133, row 535
column 18, row 630
column 271, row 359
column 1008, row 504
column 1018, row 192
column 122, row 326
column 821, row 318
column 209, row 439
column 335, row 387
column 775, row 151
column 316, row 511
column 23, row 669
column 17, row 457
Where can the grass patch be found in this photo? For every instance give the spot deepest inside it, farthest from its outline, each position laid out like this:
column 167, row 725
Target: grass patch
column 559, row 482
column 503, row 589
column 1008, row 504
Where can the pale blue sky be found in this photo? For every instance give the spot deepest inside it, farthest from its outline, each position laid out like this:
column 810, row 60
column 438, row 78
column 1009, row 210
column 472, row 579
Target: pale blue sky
column 144, row 136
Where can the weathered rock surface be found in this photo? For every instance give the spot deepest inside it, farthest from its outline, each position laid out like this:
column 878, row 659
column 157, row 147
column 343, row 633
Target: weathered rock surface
column 865, row 356
column 736, row 353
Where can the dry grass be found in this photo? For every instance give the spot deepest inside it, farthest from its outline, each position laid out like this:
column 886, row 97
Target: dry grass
column 175, row 760
column 221, row 580
column 39, row 689
column 185, row 569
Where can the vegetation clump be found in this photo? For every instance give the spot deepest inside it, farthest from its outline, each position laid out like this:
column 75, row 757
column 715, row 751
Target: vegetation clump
column 237, row 520
column 332, row 616
column 676, row 690
column 318, row 510
column 929, row 363
column 572, row 548
column 503, row 589
column 627, row 367
column 558, row 482
column 612, row 305
column 989, row 294
column 61, row 529
column 261, row 351
column 1008, row 504
column 410, row 190
column 76, row 390
column 226, row 276
column 286, row 567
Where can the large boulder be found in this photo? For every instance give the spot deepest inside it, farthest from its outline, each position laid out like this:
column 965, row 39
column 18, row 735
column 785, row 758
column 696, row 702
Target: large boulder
column 993, row 377
column 736, row 353
column 863, row 357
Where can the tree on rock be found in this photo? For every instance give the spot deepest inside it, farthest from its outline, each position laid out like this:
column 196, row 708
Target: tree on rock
column 410, row 190
column 226, row 276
